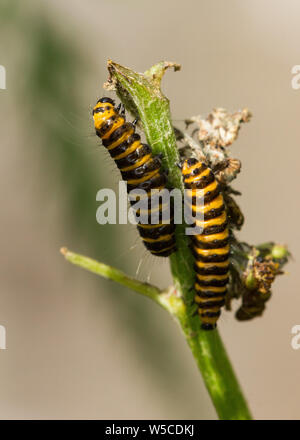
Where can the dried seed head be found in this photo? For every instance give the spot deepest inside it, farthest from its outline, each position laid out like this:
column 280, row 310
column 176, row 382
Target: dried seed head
column 265, row 272
column 220, row 127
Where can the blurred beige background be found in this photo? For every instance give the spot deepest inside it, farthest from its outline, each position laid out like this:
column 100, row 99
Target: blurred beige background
column 78, row 347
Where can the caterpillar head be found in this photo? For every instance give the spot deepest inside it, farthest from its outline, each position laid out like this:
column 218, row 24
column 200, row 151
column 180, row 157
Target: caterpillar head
column 103, row 110
column 189, row 165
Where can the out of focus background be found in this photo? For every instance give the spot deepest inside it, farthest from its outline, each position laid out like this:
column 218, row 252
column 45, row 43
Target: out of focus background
column 79, row 346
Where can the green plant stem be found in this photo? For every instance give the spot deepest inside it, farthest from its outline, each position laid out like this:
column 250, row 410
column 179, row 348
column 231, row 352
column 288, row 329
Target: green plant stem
column 142, row 95
column 219, row 377
column 165, row 299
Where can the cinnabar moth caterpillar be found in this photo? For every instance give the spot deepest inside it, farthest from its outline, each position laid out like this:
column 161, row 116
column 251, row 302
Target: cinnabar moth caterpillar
column 211, row 246
column 139, row 168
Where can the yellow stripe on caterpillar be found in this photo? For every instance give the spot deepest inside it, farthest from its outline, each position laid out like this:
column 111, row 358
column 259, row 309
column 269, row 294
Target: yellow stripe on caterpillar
column 193, row 179
column 220, row 289
column 209, row 238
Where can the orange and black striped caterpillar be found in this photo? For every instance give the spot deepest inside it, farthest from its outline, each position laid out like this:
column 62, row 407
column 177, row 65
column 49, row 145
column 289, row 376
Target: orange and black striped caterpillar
column 139, row 168
column 211, row 246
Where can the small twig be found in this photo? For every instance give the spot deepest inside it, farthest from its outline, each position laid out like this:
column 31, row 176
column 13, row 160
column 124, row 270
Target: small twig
column 165, row 298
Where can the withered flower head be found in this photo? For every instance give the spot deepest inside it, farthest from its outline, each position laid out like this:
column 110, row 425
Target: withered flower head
column 221, row 127
column 264, row 273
